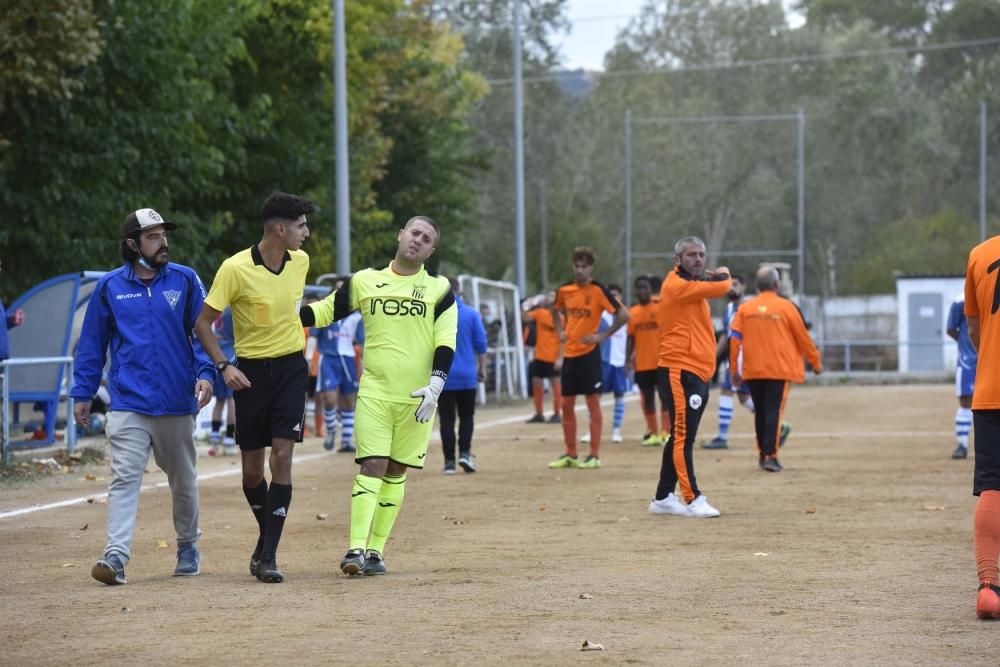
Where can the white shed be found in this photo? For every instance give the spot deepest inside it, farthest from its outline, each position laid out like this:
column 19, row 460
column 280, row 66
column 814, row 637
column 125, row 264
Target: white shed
column 924, row 302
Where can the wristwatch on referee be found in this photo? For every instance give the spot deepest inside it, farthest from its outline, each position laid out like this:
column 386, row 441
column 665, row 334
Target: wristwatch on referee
column 221, row 365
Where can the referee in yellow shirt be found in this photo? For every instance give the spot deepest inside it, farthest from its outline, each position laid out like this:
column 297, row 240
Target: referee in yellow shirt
column 263, row 286
column 410, row 321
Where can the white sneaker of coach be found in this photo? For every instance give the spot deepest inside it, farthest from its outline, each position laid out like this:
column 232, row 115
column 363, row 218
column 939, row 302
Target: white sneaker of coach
column 699, row 508
column 669, row 505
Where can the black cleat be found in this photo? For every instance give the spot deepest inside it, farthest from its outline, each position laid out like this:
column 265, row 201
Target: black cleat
column 268, row 572
column 536, row 419
column 353, row 562
column 374, row 564
column 960, row 452
column 555, row 419
column 254, row 565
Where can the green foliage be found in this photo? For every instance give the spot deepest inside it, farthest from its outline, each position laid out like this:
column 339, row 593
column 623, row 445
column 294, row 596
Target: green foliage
column 201, row 108
column 935, row 245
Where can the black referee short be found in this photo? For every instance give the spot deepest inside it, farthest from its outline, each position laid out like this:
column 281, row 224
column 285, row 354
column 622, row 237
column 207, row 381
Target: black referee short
column 274, row 406
column 582, row 375
column 987, row 446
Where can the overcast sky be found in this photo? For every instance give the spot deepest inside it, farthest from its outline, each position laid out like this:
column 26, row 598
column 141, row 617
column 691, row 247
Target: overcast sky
column 595, row 23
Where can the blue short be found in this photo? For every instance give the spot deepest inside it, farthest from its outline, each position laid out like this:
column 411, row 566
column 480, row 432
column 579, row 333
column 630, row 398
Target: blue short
column 337, row 373
column 220, row 390
column 727, row 383
column 965, row 380
column 614, row 380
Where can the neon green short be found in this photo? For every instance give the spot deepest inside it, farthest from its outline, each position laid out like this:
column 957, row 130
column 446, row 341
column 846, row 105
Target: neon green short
column 384, row 429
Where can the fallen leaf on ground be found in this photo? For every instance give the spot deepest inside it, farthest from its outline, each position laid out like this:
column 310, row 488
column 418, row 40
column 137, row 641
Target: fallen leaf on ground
column 761, row 553
column 810, row 510
column 591, row 646
column 933, row 507
column 161, row 544
column 70, row 565
column 125, row 610
column 85, row 526
column 622, row 519
column 322, row 517
column 586, row 596
column 90, row 478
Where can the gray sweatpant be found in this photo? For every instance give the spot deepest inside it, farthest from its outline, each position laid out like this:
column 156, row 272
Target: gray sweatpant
column 171, row 438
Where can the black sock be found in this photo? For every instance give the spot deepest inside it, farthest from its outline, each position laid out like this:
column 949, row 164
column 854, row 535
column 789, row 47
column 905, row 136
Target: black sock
column 216, row 425
column 230, row 430
column 257, row 497
column 279, row 497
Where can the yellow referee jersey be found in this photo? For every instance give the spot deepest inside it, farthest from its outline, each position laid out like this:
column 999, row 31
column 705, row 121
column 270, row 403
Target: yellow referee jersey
column 265, row 304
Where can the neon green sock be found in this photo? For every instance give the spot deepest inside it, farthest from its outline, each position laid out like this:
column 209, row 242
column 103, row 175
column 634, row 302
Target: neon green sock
column 390, row 499
column 364, row 499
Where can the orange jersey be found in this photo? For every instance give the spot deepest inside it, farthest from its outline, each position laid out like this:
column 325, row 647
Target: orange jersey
column 687, row 335
column 645, row 334
column 772, row 335
column 546, row 338
column 311, row 352
column 582, row 307
column 982, row 300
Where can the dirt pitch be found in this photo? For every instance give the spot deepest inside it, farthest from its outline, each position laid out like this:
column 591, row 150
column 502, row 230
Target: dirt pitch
column 859, row 553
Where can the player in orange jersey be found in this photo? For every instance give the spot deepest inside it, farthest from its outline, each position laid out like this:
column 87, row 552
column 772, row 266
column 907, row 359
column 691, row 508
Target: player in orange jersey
column 581, row 303
column 685, row 365
column 642, row 354
column 982, row 301
column 770, row 332
column 547, row 362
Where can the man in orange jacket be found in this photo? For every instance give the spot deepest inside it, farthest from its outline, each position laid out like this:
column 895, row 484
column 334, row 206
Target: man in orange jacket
column 772, row 335
column 685, row 365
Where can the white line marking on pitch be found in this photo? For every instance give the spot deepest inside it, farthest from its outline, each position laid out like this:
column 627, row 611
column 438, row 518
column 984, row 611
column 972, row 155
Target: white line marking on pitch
column 496, row 422
column 236, row 471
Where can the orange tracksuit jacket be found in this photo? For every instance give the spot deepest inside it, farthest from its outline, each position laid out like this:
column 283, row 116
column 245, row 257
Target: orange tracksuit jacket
column 773, row 338
column 687, row 336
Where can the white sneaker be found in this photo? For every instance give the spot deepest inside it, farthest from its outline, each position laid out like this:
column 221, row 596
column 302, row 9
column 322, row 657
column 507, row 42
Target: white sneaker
column 616, row 435
column 669, row 505
column 700, row 509
column 585, row 438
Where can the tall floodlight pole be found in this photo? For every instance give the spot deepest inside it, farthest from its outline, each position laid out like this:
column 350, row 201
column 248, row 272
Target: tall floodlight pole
column 543, row 232
column 518, row 155
column 982, row 171
column 801, row 160
column 628, row 206
column 340, row 132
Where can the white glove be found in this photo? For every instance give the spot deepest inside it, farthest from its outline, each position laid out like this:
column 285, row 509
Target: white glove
column 428, row 398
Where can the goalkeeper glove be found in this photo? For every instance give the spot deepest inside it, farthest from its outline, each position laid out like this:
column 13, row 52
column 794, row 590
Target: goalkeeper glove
column 428, row 397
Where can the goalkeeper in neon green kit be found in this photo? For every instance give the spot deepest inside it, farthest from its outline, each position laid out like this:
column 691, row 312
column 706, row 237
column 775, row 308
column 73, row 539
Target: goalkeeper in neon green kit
column 410, row 321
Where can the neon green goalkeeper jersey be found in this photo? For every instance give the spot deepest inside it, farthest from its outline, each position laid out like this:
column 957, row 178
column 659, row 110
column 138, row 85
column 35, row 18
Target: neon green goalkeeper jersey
column 406, row 318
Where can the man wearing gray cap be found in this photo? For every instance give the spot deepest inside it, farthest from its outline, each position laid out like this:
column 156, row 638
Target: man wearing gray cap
column 159, row 379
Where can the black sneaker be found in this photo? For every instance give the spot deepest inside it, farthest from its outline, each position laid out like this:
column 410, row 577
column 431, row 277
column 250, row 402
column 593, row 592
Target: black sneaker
column 268, row 572
column 109, row 570
column 467, row 463
column 554, row 419
column 348, row 447
column 771, row 464
column 716, row 443
column 536, row 419
column 960, row 452
column 449, row 468
column 374, row 564
column 353, row 562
